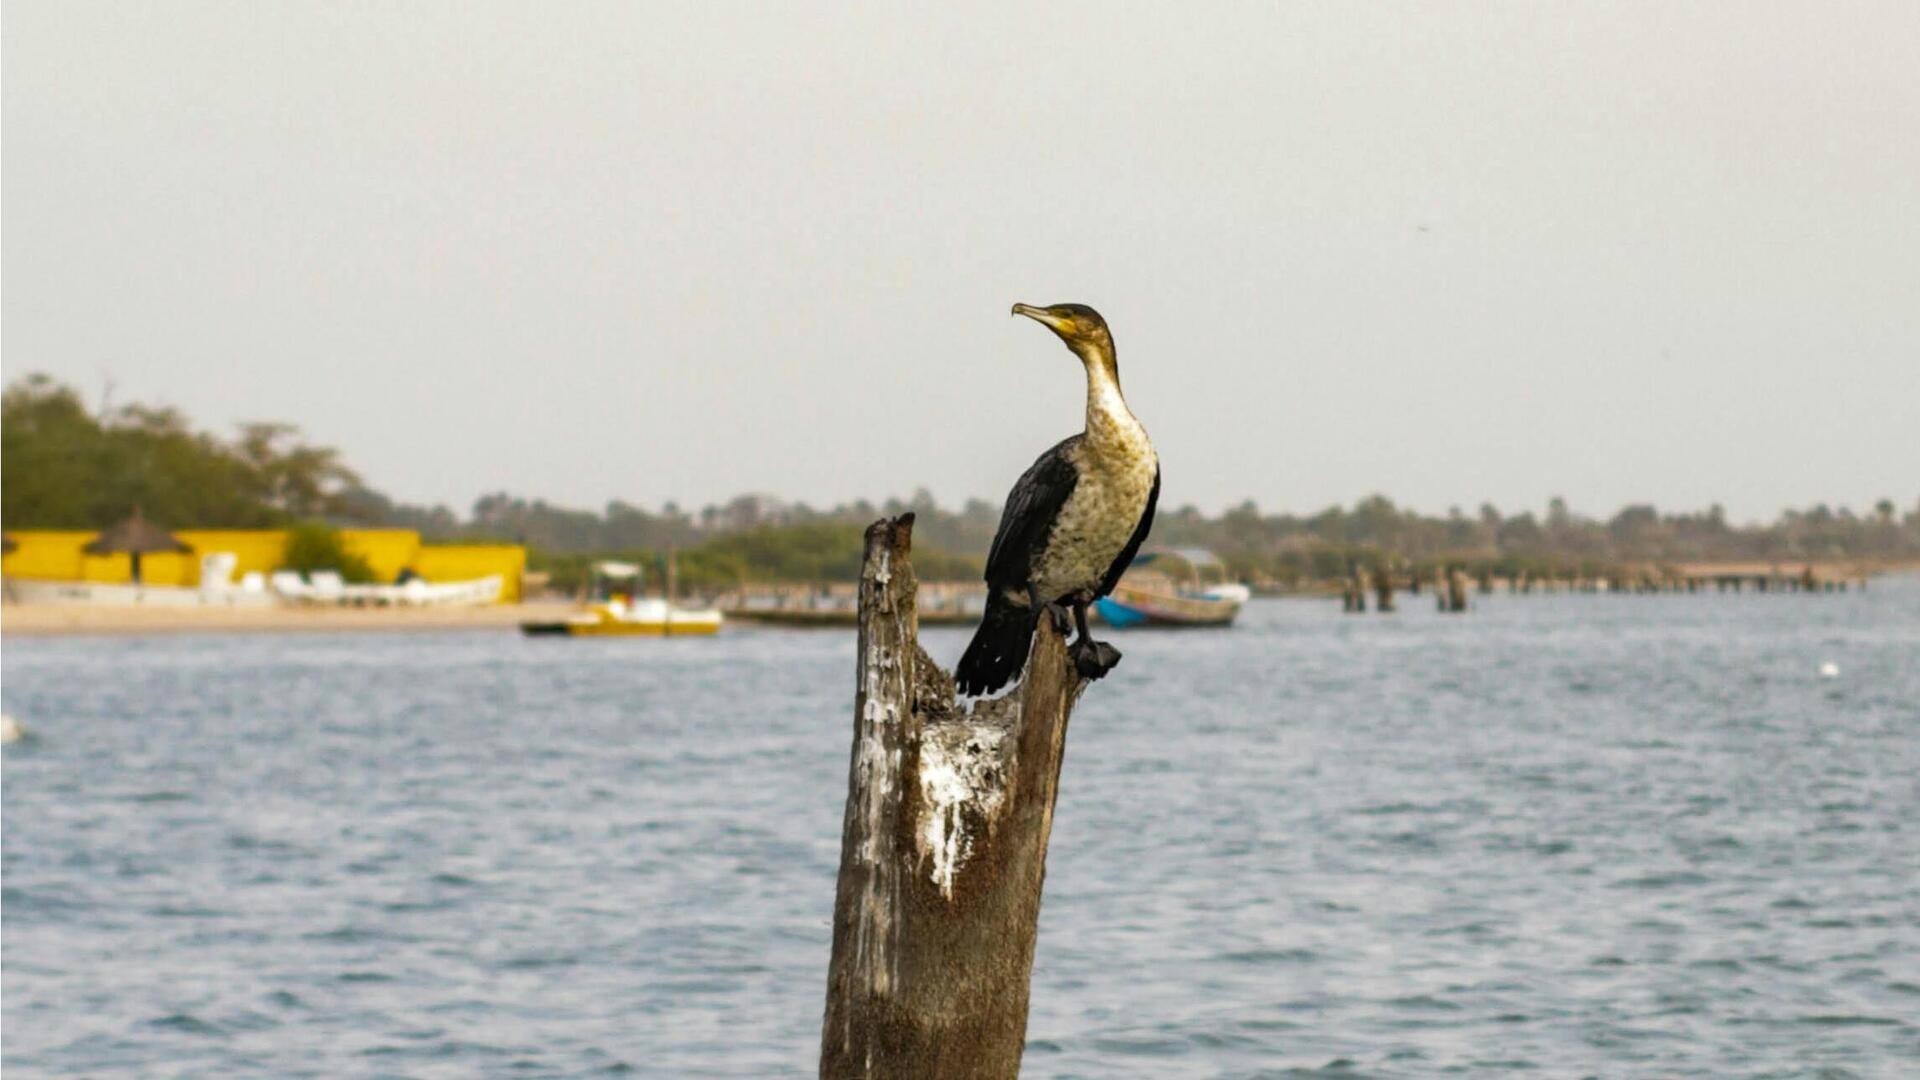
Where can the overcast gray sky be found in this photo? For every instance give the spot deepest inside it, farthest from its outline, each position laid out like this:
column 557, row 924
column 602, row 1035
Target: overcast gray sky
column 1626, row 252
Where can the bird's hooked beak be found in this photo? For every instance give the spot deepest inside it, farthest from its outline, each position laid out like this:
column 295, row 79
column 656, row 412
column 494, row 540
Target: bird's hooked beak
column 1044, row 317
column 1079, row 328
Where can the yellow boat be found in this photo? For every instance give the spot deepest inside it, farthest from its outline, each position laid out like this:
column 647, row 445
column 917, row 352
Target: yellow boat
column 621, row 615
column 619, row 618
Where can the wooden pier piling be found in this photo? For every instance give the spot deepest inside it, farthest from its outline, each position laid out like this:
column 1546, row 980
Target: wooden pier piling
column 944, row 847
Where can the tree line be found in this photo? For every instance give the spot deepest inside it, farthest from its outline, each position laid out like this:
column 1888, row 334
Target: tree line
column 65, row 466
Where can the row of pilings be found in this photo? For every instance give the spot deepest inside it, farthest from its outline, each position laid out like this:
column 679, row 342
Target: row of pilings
column 1451, row 584
column 1449, row 589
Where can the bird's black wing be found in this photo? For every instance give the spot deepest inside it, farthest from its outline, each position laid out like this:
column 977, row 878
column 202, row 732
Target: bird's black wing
column 1139, row 537
column 1031, row 508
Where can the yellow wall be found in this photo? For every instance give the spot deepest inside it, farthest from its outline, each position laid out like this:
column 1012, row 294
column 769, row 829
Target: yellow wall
column 387, row 551
column 464, row 562
column 256, row 550
column 46, row 554
column 158, row 569
column 55, row 555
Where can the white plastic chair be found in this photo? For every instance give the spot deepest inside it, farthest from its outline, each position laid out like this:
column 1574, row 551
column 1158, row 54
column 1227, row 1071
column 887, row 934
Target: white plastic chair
column 289, row 585
column 328, row 586
column 216, row 571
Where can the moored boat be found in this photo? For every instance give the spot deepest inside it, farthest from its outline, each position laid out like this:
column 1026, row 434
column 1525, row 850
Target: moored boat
column 622, row 618
column 1183, row 587
column 621, row 614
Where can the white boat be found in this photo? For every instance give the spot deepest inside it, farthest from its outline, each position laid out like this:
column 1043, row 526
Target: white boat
column 326, row 587
column 216, row 590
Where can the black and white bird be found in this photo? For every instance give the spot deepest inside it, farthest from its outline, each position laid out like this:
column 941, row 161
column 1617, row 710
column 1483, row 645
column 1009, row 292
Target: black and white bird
column 1071, row 524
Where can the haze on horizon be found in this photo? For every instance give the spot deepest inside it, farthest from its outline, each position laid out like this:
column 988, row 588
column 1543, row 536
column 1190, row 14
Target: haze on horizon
column 1636, row 253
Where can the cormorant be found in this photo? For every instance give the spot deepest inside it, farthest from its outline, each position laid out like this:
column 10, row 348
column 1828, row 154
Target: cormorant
column 1071, row 524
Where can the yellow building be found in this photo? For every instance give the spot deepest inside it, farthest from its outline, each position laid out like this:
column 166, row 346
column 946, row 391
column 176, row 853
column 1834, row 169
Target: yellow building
column 55, row 555
column 465, row 562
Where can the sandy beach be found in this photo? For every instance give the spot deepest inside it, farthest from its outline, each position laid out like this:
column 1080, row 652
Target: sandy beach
column 48, row 619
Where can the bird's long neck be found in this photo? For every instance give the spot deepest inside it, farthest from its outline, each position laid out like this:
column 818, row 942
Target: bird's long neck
column 1109, row 422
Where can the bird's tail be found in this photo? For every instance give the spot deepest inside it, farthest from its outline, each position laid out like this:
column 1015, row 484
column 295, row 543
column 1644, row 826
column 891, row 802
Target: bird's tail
column 999, row 647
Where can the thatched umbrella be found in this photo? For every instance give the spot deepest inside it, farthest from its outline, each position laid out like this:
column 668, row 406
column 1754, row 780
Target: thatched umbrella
column 136, row 536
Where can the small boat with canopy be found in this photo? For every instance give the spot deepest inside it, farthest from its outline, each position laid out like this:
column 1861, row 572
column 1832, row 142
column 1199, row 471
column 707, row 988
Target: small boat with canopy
column 1173, row 587
column 619, row 610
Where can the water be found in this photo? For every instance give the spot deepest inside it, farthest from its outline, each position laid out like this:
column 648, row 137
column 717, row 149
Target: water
column 1612, row 836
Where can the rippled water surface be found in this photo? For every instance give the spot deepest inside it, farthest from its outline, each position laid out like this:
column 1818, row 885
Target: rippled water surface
column 1612, row 836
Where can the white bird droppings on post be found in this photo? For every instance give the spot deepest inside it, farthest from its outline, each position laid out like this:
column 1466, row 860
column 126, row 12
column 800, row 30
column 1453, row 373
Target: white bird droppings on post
column 962, row 786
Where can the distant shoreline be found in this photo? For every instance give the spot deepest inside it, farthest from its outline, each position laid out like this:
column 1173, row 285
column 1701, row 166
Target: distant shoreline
column 58, row 620
column 78, row 620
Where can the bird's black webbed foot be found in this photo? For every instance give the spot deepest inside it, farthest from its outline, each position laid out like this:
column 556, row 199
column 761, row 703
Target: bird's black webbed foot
column 1093, row 659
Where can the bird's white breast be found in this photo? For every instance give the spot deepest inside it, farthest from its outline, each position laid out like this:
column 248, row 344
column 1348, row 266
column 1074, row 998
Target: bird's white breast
column 1116, row 466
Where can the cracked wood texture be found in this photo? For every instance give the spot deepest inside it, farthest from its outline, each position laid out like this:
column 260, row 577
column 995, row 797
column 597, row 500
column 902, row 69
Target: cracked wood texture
column 944, row 849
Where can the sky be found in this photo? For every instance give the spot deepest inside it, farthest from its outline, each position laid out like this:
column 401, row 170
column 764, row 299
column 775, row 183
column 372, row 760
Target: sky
column 1634, row 252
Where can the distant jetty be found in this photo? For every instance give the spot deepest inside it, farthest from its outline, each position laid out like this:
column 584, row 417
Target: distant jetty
column 1763, row 576
column 950, row 603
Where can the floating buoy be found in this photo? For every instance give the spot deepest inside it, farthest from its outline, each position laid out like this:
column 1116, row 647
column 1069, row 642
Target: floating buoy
column 11, row 730
column 1829, row 670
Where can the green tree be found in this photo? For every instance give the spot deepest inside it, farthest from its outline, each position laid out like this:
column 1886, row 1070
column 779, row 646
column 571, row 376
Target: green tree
column 315, row 545
column 63, row 467
column 291, row 476
column 51, row 449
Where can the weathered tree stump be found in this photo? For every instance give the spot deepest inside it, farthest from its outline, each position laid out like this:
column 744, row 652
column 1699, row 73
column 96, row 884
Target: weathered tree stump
column 944, row 849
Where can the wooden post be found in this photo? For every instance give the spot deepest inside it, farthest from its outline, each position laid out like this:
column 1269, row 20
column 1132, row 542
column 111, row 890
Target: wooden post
column 944, row 848
column 1383, row 590
column 1353, row 598
column 1456, row 590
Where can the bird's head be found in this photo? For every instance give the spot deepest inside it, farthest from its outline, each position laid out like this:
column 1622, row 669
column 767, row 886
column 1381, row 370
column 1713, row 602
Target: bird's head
column 1081, row 327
